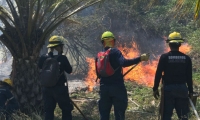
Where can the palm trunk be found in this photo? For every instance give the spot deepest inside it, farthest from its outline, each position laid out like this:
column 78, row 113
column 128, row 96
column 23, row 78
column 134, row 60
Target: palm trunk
column 26, row 85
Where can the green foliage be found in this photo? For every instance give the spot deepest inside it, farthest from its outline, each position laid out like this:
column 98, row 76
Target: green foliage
column 196, row 77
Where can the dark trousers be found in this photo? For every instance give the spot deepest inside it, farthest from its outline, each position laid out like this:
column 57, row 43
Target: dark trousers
column 112, row 95
column 60, row 95
column 176, row 97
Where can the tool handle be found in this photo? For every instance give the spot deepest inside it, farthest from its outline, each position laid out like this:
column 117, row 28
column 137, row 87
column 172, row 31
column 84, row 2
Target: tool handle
column 195, row 111
column 129, row 70
column 75, row 104
column 78, row 109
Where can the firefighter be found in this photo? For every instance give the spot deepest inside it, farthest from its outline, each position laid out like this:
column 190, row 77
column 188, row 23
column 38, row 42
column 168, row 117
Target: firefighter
column 175, row 69
column 58, row 93
column 8, row 103
column 112, row 88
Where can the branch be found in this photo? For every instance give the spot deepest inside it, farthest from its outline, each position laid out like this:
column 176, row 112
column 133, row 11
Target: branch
column 52, row 27
column 9, row 44
column 56, row 8
column 54, row 23
column 16, row 19
column 12, row 9
column 30, row 22
column 36, row 16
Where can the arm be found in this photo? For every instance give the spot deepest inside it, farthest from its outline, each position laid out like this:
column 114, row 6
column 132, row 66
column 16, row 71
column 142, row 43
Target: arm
column 9, row 96
column 189, row 76
column 158, row 75
column 66, row 65
column 41, row 61
column 126, row 62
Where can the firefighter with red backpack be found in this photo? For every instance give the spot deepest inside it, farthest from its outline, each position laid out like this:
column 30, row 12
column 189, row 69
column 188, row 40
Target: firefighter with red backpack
column 53, row 80
column 109, row 65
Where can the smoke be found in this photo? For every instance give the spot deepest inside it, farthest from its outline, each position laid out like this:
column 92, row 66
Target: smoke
column 5, row 68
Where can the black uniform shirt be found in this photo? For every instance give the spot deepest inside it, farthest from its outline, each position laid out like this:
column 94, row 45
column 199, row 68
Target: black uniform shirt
column 175, row 68
column 64, row 66
column 7, row 96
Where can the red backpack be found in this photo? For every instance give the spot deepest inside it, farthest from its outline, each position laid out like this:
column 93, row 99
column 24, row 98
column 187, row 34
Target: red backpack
column 103, row 66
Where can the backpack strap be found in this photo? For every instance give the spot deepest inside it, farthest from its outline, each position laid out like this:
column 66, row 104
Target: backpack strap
column 56, row 57
column 96, row 69
column 110, row 62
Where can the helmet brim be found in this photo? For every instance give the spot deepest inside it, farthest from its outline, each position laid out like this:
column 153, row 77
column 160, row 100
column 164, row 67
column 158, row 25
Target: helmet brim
column 176, row 41
column 53, row 45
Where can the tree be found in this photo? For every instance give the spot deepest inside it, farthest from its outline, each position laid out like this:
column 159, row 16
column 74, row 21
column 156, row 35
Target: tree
column 26, row 26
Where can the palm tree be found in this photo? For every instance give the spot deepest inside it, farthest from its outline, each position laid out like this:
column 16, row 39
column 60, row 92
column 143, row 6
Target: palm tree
column 26, row 26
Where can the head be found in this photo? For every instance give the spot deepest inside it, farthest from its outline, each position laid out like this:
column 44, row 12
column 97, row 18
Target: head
column 108, row 39
column 174, row 40
column 57, row 43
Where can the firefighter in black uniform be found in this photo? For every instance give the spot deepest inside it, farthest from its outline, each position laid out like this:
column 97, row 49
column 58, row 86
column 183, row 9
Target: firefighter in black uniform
column 58, row 93
column 8, row 103
column 175, row 69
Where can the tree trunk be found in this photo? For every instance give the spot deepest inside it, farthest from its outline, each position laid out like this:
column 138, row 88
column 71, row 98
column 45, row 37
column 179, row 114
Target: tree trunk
column 26, row 84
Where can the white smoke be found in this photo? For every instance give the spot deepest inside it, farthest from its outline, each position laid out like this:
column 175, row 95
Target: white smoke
column 5, row 67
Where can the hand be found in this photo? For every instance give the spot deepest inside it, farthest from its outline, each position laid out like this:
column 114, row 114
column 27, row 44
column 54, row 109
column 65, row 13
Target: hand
column 144, row 57
column 51, row 49
column 190, row 95
column 6, row 103
column 156, row 94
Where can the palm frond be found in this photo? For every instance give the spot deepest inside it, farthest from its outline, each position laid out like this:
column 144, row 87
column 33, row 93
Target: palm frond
column 13, row 10
column 5, row 13
column 10, row 45
column 55, row 9
column 59, row 19
column 197, row 9
column 60, row 15
column 30, row 20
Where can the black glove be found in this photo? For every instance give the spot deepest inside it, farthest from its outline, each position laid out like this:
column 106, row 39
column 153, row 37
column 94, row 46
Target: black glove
column 190, row 95
column 156, row 94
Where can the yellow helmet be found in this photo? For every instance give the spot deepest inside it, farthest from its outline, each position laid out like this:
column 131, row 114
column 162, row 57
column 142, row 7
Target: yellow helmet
column 175, row 37
column 8, row 81
column 107, row 34
column 55, row 41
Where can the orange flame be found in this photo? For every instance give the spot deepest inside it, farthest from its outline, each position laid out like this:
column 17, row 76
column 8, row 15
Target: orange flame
column 143, row 73
column 91, row 75
column 185, row 48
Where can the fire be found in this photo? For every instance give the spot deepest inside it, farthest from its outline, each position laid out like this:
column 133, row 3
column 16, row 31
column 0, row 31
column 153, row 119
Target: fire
column 90, row 80
column 143, row 73
column 185, row 48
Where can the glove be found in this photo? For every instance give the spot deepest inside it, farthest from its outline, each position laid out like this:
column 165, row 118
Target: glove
column 156, row 94
column 144, row 57
column 193, row 95
column 190, row 96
